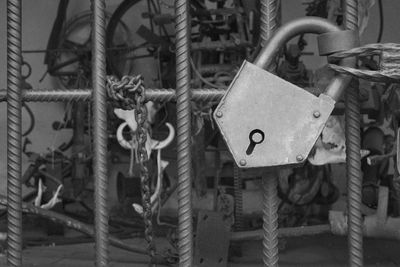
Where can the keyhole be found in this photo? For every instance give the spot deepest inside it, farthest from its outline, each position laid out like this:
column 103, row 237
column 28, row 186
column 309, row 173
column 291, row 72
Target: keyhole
column 256, row 137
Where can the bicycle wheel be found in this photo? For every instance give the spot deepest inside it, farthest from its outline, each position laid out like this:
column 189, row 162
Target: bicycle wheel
column 118, row 51
column 72, row 64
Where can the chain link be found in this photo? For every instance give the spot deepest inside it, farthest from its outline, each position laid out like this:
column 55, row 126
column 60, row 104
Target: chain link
column 123, row 92
column 129, row 93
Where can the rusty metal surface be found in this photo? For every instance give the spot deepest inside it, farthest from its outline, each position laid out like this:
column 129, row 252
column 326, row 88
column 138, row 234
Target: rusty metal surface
column 290, row 117
column 212, row 240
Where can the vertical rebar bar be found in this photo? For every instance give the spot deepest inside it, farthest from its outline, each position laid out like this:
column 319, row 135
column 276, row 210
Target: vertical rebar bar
column 100, row 131
column 182, row 43
column 268, row 19
column 237, row 184
column 270, row 219
column 268, row 24
column 353, row 167
column 14, row 102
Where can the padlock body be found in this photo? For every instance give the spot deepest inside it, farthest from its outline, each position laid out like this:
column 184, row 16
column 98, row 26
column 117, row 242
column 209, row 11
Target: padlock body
column 290, row 118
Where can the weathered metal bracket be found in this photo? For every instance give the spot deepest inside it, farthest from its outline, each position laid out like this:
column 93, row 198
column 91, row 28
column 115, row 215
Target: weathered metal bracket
column 212, row 240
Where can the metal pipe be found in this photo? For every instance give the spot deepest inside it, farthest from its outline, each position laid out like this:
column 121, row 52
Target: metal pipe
column 268, row 25
column 14, row 143
column 100, row 132
column 300, row 26
column 353, row 157
column 257, row 235
column 220, row 45
column 72, row 223
column 183, row 106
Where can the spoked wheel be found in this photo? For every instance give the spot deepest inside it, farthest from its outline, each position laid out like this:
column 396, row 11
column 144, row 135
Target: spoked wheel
column 72, row 64
column 121, row 54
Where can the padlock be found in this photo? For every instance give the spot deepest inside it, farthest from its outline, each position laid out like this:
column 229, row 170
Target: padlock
column 267, row 121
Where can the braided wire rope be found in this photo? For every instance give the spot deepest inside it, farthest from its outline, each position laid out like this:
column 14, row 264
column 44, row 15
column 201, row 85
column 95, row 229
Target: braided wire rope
column 389, row 62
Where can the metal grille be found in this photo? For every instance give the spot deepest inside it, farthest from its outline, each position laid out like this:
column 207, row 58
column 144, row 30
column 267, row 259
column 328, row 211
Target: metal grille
column 183, row 95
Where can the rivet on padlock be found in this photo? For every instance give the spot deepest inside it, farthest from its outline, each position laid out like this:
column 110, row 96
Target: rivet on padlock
column 259, row 103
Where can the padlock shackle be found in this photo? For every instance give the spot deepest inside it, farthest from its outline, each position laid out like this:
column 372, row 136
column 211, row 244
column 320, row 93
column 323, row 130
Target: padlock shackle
column 296, row 27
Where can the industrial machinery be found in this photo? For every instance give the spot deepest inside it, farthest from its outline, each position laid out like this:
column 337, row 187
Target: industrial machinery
column 246, row 143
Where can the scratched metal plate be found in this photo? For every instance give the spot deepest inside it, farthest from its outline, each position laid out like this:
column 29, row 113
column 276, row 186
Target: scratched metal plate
column 257, row 99
column 212, row 240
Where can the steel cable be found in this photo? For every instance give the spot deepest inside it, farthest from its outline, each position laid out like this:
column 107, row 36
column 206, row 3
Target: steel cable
column 389, row 62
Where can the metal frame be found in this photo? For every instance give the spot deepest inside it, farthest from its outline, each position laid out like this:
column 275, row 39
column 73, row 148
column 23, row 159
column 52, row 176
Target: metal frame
column 183, row 94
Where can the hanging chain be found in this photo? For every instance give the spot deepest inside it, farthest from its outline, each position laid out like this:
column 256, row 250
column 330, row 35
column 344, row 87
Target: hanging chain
column 129, row 93
column 122, row 92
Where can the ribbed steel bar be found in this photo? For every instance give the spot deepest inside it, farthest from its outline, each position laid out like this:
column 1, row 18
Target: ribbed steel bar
column 268, row 19
column 268, row 26
column 353, row 167
column 162, row 95
column 100, row 131
column 182, row 43
column 270, row 218
column 237, row 183
column 14, row 199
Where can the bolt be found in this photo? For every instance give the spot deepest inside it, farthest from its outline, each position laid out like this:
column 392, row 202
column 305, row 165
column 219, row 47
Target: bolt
column 219, row 114
column 299, row 157
column 242, row 162
column 317, row 114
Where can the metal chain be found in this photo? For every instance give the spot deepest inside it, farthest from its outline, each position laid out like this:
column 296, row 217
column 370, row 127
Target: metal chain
column 129, row 93
column 122, row 92
column 389, row 63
